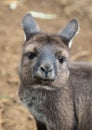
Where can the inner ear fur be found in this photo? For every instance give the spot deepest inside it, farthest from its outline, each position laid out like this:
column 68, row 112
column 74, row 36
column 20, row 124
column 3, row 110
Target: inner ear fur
column 69, row 31
column 29, row 25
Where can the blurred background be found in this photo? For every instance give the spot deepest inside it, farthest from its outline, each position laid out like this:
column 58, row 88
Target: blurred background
column 51, row 15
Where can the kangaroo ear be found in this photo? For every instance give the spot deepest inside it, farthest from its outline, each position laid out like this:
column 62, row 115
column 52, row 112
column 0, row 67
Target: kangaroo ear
column 69, row 31
column 29, row 25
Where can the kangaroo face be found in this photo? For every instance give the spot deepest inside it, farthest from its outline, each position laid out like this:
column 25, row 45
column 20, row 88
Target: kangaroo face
column 45, row 57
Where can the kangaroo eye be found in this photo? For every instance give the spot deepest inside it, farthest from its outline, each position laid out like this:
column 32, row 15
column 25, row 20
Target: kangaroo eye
column 61, row 59
column 31, row 55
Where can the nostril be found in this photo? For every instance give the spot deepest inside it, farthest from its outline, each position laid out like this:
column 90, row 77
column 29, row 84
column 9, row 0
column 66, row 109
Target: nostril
column 46, row 69
column 42, row 69
column 44, row 72
column 50, row 70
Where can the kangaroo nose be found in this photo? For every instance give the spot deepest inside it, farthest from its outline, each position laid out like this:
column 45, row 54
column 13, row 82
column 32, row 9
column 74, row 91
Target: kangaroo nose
column 44, row 72
column 46, row 69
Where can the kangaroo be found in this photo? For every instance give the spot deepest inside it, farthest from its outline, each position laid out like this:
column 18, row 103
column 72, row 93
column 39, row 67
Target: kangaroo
column 56, row 91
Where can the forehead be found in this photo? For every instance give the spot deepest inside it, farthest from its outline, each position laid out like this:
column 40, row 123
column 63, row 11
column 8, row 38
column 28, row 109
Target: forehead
column 40, row 41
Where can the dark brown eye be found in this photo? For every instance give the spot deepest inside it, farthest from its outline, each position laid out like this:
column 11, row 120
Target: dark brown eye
column 31, row 55
column 61, row 59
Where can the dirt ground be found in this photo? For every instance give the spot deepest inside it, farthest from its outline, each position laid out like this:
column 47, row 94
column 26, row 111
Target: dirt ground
column 13, row 115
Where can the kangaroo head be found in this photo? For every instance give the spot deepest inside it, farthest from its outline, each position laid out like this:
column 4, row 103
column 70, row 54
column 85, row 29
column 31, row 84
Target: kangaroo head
column 45, row 56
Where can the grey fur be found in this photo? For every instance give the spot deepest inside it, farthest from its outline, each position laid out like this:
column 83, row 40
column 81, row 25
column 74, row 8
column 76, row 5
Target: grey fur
column 29, row 25
column 63, row 102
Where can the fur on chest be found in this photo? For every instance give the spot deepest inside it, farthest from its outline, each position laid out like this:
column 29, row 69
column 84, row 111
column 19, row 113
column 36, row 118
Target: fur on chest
column 36, row 101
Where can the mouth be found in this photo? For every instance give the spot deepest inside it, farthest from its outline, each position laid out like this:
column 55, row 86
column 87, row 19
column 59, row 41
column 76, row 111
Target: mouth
column 44, row 81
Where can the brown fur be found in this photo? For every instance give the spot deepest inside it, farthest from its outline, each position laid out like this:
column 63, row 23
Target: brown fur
column 64, row 103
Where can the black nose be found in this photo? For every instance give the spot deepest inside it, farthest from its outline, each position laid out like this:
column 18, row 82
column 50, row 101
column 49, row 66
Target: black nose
column 46, row 69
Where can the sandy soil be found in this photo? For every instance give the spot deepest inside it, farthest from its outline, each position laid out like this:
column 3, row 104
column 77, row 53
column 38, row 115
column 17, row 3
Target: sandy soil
column 13, row 115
